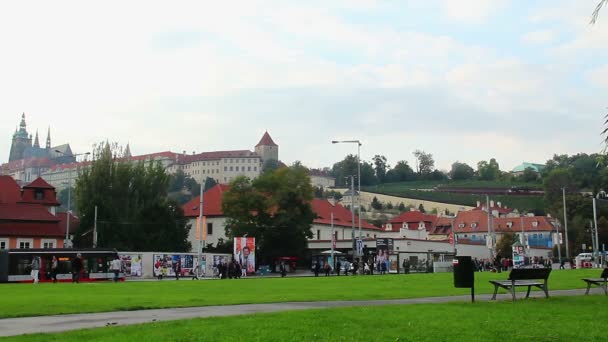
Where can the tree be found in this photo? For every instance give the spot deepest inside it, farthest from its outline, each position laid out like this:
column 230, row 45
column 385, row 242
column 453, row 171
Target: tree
column 595, row 15
column 505, row 243
column 275, row 208
column 342, row 169
column 380, row 167
column 376, row 204
column 421, row 208
column 401, row 206
column 424, row 162
column 488, row 170
column 529, row 175
column 134, row 211
column 62, row 197
column 402, row 172
column 461, row 171
column 389, row 206
column 270, row 165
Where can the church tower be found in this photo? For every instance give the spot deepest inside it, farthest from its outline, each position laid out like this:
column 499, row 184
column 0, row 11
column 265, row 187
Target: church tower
column 267, row 149
column 21, row 140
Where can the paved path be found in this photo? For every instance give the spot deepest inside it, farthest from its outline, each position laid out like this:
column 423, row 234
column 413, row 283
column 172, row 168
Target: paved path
column 44, row 324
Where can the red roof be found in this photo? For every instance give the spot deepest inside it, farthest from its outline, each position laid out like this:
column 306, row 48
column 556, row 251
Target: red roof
column 413, row 216
column 10, row 192
column 26, row 212
column 33, row 229
column 342, row 216
column 266, row 140
column 39, row 183
column 212, row 202
column 466, row 219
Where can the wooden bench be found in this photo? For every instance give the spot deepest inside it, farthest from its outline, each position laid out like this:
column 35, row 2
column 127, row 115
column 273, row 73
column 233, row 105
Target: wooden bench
column 524, row 277
column 602, row 282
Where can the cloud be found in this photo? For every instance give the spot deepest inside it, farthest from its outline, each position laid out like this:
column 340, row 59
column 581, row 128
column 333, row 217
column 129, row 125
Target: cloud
column 540, row 37
column 472, row 11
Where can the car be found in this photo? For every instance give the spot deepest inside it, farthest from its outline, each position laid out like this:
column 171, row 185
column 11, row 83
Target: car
column 585, row 256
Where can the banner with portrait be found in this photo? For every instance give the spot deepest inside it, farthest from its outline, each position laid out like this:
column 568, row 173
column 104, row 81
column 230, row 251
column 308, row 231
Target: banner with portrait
column 244, row 252
column 132, row 264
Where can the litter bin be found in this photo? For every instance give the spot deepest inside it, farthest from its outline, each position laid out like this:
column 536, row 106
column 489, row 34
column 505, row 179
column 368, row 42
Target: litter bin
column 464, row 274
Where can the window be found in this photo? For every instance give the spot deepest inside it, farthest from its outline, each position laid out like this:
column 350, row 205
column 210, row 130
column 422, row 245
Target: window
column 405, row 225
column 210, row 228
column 318, row 234
column 231, row 168
column 509, row 224
column 39, row 195
column 225, row 168
column 25, row 243
column 3, row 244
column 535, row 224
column 237, row 169
column 248, row 168
column 461, row 225
column 473, row 225
column 255, row 168
column 48, row 243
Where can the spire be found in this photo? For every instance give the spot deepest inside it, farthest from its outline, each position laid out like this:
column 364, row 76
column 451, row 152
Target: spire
column 22, row 125
column 36, row 143
column 266, row 141
column 48, row 139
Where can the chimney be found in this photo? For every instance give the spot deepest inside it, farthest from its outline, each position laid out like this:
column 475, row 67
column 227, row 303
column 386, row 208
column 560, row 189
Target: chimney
column 478, row 204
column 192, row 152
column 499, row 204
column 491, row 203
column 184, row 152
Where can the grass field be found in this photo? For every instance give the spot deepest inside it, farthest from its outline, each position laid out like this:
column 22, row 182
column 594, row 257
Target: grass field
column 46, row 299
column 554, row 319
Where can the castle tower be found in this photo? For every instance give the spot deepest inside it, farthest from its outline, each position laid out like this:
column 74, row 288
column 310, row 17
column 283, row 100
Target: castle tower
column 267, row 149
column 36, row 142
column 48, row 139
column 21, row 140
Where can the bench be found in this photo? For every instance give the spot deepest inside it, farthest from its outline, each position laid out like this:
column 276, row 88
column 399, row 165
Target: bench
column 601, row 282
column 524, row 277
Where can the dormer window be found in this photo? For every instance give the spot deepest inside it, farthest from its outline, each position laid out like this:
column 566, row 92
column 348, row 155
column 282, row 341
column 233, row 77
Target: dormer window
column 461, row 225
column 405, row 225
column 473, row 225
column 535, row 224
column 389, row 226
column 509, row 224
column 421, row 225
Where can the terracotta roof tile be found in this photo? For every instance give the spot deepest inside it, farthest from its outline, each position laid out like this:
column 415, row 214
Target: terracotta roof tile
column 266, row 140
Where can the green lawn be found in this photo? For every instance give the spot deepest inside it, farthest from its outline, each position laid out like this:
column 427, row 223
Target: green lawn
column 47, row 299
column 554, row 319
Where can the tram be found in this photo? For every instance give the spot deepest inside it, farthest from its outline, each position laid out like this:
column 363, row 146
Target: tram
column 15, row 264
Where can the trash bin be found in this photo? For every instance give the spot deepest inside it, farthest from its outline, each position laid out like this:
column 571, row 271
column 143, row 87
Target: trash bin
column 464, row 274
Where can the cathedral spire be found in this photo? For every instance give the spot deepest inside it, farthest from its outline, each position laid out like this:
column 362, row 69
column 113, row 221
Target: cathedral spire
column 22, row 125
column 36, row 143
column 48, row 139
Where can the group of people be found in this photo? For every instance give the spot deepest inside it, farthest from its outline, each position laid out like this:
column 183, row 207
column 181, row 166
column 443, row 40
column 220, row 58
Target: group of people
column 231, row 270
column 162, row 268
column 76, row 263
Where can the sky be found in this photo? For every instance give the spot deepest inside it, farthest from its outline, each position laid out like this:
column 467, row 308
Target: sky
column 464, row 80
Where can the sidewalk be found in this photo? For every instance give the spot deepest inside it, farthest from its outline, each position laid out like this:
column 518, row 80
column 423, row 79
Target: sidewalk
column 47, row 324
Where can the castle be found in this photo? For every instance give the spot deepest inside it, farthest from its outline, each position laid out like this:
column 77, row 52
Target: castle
column 22, row 147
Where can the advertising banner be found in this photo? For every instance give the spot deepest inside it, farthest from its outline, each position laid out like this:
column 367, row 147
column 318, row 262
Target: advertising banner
column 132, row 264
column 518, row 256
column 244, row 252
column 166, row 264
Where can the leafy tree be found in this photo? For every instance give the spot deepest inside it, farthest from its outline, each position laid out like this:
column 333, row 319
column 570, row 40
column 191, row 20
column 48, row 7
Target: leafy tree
column 274, row 208
column 134, row 211
column 555, row 181
column 380, row 167
column 401, row 206
column 529, row 175
column 488, row 170
column 270, row 165
column 421, row 208
column 376, row 204
column 62, row 197
column 342, row 169
column 209, row 183
column 461, row 171
column 425, row 164
column 505, row 243
column 400, row 173
column 389, row 206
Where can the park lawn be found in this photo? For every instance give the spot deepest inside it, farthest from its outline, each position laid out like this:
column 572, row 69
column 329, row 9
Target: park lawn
column 555, row 319
column 20, row 300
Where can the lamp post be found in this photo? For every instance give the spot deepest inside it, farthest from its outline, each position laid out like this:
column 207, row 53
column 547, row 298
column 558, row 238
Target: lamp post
column 594, row 234
column 566, row 225
column 352, row 204
column 358, row 177
column 67, row 242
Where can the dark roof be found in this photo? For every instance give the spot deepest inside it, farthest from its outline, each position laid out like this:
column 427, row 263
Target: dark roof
column 266, row 140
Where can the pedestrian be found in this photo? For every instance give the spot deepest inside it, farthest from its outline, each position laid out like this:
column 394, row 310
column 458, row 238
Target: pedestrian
column 317, row 268
column 54, row 268
column 338, row 265
column 327, row 269
column 406, row 266
column 35, row 268
column 283, row 269
column 365, row 268
column 177, row 268
column 244, row 269
column 116, row 266
column 76, row 268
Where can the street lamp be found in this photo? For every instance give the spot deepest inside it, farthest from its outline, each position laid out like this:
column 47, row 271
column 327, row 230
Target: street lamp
column 67, row 242
column 358, row 175
column 596, row 244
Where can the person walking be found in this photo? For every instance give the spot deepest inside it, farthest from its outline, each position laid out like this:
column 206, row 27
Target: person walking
column 338, row 265
column 35, row 268
column 327, row 269
column 177, row 268
column 54, row 268
column 116, row 266
column 76, row 268
column 317, row 268
column 283, row 269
